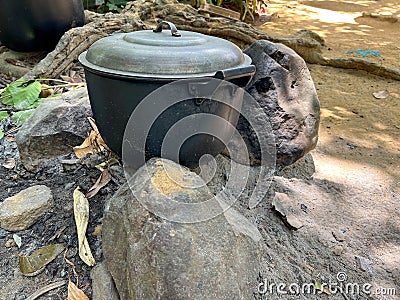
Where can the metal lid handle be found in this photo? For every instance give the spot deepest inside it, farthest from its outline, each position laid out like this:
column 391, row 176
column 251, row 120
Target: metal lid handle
column 174, row 31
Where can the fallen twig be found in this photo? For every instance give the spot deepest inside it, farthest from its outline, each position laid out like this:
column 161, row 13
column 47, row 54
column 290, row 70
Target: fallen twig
column 46, row 289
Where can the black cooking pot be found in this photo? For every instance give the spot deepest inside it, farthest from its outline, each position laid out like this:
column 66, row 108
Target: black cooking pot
column 34, row 25
column 123, row 69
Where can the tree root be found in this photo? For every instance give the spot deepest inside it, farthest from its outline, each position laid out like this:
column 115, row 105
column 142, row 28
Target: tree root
column 145, row 14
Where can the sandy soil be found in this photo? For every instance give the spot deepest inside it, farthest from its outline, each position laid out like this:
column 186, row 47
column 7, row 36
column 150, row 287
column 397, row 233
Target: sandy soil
column 356, row 187
column 345, row 25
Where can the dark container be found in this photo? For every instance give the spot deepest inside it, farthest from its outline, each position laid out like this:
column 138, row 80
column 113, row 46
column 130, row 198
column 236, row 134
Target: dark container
column 35, row 25
column 123, row 69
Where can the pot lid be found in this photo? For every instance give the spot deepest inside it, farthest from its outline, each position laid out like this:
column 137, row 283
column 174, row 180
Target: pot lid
column 163, row 54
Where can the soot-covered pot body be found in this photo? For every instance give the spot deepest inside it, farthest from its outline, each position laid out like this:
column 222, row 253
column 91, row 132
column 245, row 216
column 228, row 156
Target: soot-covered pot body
column 124, row 69
column 34, row 25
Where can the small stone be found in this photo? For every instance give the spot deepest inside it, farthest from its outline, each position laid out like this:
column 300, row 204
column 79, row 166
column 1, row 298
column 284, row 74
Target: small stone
column 282, row 204
column 338, row 250
column 10, row 243
column 23, row 209
column 365, row 264
column 293, row 222
column 63, row 273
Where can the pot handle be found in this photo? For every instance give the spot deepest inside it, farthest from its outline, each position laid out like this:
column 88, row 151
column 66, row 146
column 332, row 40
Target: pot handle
column 240, row 76
column 234, row 73
column 172, row 27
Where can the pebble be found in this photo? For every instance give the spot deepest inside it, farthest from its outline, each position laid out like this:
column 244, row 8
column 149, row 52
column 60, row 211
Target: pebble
column 23, row 209
column 10, row 243
column 365, row 264
column 338, row 250
column 63, row 273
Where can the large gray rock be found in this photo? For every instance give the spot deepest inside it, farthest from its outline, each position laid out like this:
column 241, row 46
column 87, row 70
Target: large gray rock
column 283, row 87
column 54, row 128
column 153, row 258
column 102, row 284
column 23, row 209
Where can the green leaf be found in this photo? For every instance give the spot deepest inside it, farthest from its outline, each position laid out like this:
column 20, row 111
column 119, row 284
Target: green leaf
column 21, row 93
column 20, row 117
column 39, row 258
column 254, row 7
column 37, row 103
column 1, row 133
column 112, row 6
column 321, row 287
column 3, row 115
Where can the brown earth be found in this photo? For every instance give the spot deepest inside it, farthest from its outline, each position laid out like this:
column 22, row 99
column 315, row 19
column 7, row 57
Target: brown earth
column 359, row 146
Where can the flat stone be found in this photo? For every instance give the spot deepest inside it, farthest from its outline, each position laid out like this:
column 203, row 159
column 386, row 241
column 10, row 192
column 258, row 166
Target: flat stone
column 150, row 257
column 365, row 264
column 282, row 203
column 54, row 128
column 22, row 210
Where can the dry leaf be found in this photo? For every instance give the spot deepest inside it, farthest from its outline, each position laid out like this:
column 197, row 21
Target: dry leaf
column 10, row 163
column 102, row 181
column 97, row 231
column 73, row 77
column 74, row 293
column 104, row 165
column 87, row 147
column 10, row 138
column 93, row 124
column 94, row 143
column 45, row 289
column 30, row 265
column 46, row 91
column 381, row 94
column 67, row 78
column 81, row 213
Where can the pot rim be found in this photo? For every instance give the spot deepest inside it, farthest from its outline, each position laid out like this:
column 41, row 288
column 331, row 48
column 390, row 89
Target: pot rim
column 133, row 75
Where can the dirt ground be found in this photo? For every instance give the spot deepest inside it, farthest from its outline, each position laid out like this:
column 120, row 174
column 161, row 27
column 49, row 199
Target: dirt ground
column 359, row 145
column 350, row 207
